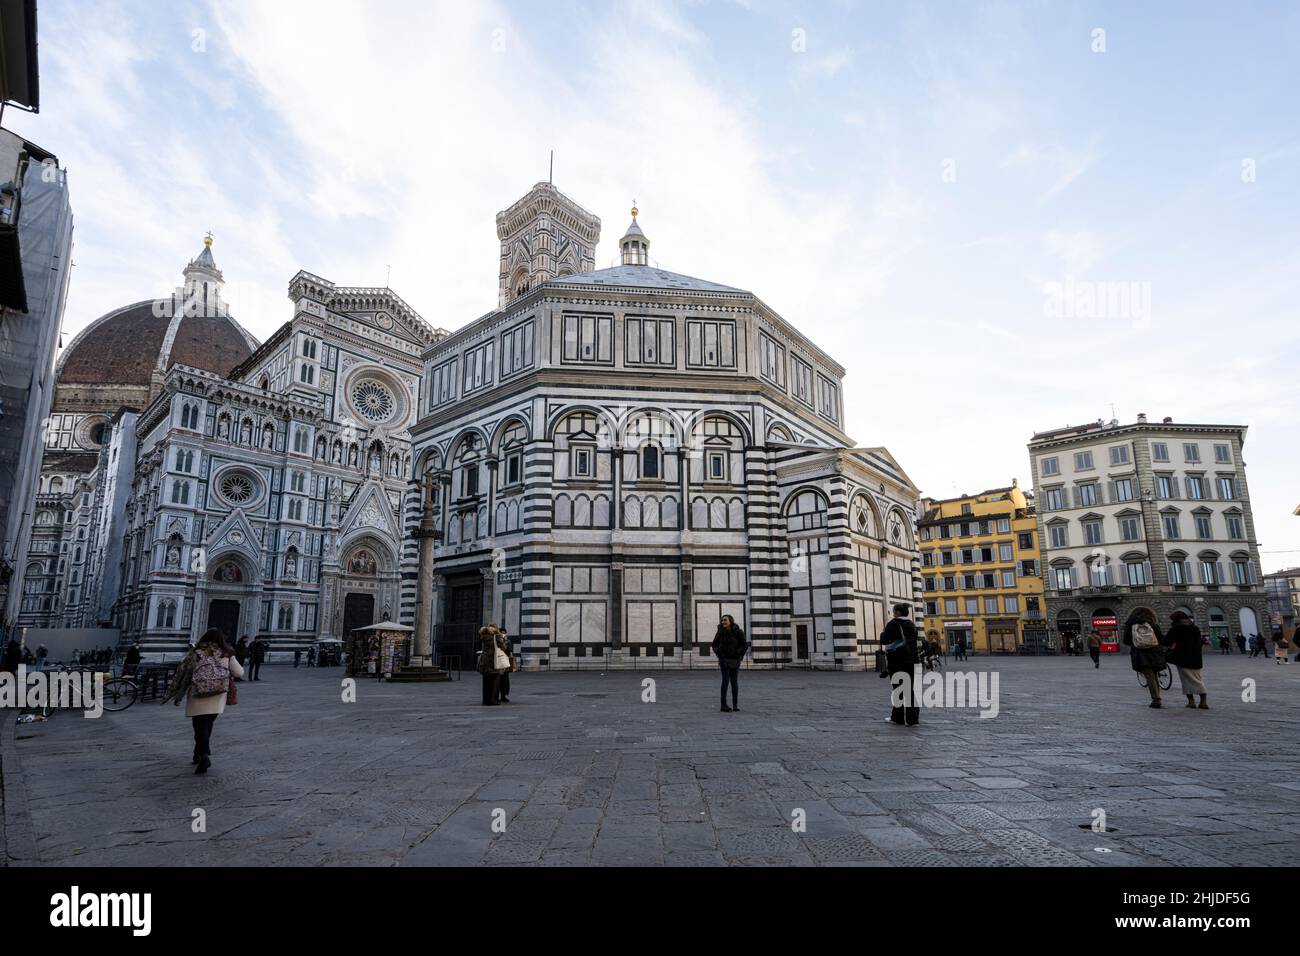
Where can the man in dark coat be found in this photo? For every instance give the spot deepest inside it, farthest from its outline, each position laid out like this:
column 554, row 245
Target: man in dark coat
column 13, row 657
column 258, row 651
column 902, row 661
column 132, row 660
column 729, row 646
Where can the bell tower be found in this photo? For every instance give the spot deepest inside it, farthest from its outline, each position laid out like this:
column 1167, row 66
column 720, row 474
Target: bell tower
column 545, row 235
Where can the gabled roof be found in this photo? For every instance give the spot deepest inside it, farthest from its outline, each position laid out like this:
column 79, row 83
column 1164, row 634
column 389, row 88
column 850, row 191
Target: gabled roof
column 643, row 277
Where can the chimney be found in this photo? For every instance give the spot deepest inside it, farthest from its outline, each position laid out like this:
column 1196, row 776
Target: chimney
column 1168, row 420
column 1142, row 418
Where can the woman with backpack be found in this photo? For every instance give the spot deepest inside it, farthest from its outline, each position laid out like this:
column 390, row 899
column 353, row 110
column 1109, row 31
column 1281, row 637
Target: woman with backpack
column 213, row 666
column 1183, row 650
column 1145, row 651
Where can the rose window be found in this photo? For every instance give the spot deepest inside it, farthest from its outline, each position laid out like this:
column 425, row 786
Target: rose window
column 373, row 400
column 237, row 488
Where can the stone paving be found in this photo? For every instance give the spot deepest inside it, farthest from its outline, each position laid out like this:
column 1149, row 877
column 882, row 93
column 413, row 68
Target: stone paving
column 583, row 772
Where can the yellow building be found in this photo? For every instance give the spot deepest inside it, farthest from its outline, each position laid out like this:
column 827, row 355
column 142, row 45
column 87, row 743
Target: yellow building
column 982, row 572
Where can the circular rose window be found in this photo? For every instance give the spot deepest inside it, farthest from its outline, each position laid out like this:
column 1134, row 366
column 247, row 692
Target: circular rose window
column 237, row 488
column 373, row 400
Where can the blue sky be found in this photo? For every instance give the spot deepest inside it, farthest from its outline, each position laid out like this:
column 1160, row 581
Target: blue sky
column 902, row 181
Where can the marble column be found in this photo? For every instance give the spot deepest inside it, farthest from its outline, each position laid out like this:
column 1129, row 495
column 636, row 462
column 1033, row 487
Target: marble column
column 427, row 536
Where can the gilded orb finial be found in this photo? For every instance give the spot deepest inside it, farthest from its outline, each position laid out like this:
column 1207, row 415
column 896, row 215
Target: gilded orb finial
column 207, row 239
column 634, row 209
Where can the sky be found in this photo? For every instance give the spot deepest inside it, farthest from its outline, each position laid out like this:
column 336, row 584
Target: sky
column 1000, row 218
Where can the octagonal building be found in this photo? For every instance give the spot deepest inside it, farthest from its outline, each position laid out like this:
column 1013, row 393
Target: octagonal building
column 614, row 458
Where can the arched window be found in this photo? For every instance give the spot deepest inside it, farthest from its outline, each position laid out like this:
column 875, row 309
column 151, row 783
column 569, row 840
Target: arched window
column 180, row 492
column 165, row 616
column 300, row 440
column 806, row 512
column 284, row 618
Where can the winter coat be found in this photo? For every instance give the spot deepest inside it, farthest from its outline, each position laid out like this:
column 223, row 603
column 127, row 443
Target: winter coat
column 13, row 656
column 906, row 658
column 259, row 652
column 216, row 704
column 1183, row 644
column 486, row 660
column 1144, row 658
column 729, row 646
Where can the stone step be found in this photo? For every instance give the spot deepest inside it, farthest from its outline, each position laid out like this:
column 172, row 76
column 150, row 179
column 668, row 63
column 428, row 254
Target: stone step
column 423, row 673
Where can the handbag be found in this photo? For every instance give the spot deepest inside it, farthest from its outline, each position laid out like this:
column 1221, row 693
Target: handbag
column 500, row 660
column 232, row 695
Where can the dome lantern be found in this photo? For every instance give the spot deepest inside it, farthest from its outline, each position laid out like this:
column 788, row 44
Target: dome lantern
column 634, row 246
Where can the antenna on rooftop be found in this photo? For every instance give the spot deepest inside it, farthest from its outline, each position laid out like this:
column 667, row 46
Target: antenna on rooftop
column 550, row 175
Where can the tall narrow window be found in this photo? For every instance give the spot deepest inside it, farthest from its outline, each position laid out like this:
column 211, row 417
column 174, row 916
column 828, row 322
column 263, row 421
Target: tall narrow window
column 649, row 462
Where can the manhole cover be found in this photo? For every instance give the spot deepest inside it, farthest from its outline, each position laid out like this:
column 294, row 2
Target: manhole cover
column 541, row 755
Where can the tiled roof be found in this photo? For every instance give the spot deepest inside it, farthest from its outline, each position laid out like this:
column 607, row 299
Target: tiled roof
column 122, row 347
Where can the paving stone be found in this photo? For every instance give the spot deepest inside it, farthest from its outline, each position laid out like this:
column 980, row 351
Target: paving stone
column 411, row 775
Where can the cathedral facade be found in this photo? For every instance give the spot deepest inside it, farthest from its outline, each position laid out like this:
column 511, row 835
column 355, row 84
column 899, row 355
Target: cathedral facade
column 614, row 459
column 259, row 490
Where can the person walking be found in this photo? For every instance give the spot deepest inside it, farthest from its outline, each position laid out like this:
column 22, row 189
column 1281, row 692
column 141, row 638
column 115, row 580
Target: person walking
column 214, row 665
column 311, row 656
column 132, row 660
column 42, row 653
column 493, row 661
column 1183, row 646
column 1280, row 646
column 257, row 653
column 1224, row 646
column 729, row 646
column 1241, row 642
column 1146, row 653
column 241, row 649
column 1094, row 650
column 297, row 657
column 899, row 641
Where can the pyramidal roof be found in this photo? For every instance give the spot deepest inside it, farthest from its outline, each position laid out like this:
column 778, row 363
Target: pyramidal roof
column 643, row 277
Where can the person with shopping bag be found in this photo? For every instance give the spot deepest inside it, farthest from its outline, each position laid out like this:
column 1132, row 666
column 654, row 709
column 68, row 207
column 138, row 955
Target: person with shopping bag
column 493, row 661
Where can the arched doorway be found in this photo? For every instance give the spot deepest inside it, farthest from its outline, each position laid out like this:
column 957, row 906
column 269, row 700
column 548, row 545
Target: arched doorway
column 1249, row 622
column 367, row 585
column 1068, row 628
column 229, row 607
column 1218, row 624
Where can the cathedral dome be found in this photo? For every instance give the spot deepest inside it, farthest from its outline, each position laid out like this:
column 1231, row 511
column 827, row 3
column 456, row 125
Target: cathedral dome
column 126, row 346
